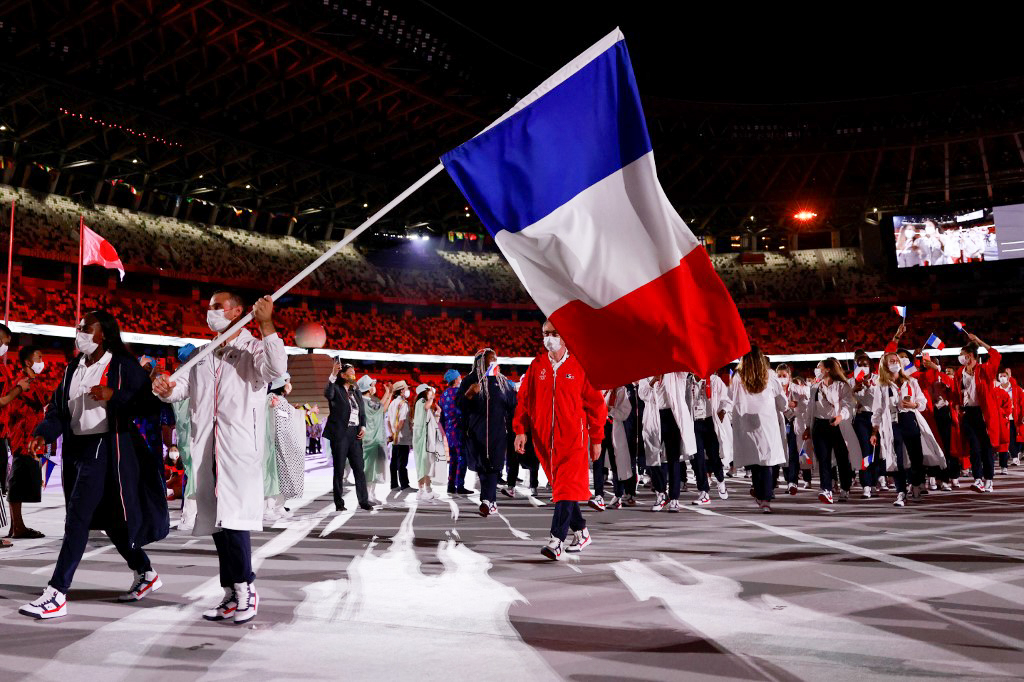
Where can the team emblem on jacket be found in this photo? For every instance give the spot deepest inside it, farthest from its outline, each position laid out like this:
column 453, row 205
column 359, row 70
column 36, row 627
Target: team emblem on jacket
column 569, row 376
column 543, row 373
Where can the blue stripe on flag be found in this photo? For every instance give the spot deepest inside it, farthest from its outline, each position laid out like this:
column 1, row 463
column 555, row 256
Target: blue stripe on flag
column 582, row 131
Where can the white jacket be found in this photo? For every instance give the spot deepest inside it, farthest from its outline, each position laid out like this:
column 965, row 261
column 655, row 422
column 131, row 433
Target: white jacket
column 619, row 409
column 231, row 385
column 759, row 430
column 675, row 389
column 846, row 411
column 881, row 419
column 719, row 402
column 650, row 428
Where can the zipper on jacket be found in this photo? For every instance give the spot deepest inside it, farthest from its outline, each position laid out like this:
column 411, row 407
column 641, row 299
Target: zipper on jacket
column 554, row 385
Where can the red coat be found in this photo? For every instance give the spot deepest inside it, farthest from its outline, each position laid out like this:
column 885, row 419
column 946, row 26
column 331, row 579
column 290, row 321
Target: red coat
column 1005, row 416
column 1018, row 409
column 563, row 414
column 984, row 381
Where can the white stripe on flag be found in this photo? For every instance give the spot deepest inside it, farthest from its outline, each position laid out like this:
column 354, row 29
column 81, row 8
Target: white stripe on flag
column 609, row 240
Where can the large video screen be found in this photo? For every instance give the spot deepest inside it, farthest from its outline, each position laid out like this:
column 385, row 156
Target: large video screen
column 977, row 235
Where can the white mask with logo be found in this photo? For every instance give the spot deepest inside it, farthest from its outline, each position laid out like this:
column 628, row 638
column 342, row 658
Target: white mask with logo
column 37, row 367
column 217, row 321
column 552, row 343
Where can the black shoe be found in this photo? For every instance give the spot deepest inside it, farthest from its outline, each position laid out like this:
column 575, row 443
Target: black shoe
column 366, row 505
column 340, row 508
column 451, row 490
column 407, row 487
column 501, row 481
column 464, row 491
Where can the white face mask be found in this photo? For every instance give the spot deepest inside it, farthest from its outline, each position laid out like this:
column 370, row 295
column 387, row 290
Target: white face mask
column 818, row 372
column 405, row 393
column 217, row 321
column 894, row 367
column 784, row 380
column 963, row 359
column 3, row 349
column 1004, row 380
column 37, row 367
column 85, row 344
column 553, row 343
column 173, row 454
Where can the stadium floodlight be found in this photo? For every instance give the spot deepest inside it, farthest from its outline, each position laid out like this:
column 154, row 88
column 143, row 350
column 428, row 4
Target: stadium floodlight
column 804, row 216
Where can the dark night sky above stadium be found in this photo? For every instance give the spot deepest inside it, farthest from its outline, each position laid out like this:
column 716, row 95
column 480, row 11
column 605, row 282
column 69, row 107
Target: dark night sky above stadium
column 777, row 54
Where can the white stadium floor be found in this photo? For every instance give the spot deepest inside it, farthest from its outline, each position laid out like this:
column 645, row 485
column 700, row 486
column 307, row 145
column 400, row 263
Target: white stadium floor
column 857, row 591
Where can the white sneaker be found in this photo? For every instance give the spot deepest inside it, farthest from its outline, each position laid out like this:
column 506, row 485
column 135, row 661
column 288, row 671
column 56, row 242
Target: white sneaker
column 248, row 601
column 844, row 495
column 51, row 604
column 597, row 502
column 988, row 486
column 956, row 484
column 509, row 492
column 614, row 503
column 702, row 500
column 945, row 486
column 1004, row 471
column 978, row 486
column 578, row 542
column 552, row 550
column 487, row 508
column 144, row 584
column 901, row 500
column 673, row 506
column 825, row 496
column 723, row 492
column 659, row 502
column 932, row 484
column 882, row 485
column 866, row 492
column 792, row 488
column 766, row 508
column 1015, row 462
column 803, row 485
column 225, row 609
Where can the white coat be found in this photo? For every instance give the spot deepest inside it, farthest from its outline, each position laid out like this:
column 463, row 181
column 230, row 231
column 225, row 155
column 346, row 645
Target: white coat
column 650, row 428
column 719, row 402
column 619, row 409
column 227, row 392
column 675, row 389
column 759, row 431
column 847, row 411
column 881, row 419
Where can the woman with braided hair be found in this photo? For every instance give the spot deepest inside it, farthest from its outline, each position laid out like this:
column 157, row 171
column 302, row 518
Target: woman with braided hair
column 487, row 401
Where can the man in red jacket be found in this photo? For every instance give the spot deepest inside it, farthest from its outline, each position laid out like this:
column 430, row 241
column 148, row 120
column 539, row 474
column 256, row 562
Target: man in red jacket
column 562, row 413
column 977, row 402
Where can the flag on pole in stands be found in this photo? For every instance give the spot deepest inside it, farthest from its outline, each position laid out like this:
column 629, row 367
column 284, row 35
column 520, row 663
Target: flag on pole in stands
column 935, row 342
column 960, row 327
column 98, row 251
column 901, row 310
column 566, row 183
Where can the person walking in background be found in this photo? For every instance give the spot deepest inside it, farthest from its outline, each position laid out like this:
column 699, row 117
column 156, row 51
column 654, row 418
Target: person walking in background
column 758, row 423
column 183, row 438
column 451, row 421
column 345, row 429
column 375, row 439
column 400, row 436
column 23, row 415
column 487, row 401
column 976, row 401
column 426, row 441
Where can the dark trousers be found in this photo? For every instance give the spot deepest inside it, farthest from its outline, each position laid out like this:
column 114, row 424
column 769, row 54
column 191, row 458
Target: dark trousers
column 793, row 463
column 399, row 466
column 944, row 425
column 531, row 465
column 973, row 427
column 761, row 479
column 567, row 516
column 673, row 442
column 912, row 442
column 488, row 485
column 1014, row 445
column 828, row 440
column 349, row 448
column 234, row 552
column 456, row 468
column 862, row 427
column 1004, row 457
column 95, row 484
column 709, row 453
column 658, row 478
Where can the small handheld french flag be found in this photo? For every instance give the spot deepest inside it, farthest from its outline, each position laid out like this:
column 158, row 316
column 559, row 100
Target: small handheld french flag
column 960, row 327
column 492, row 370
column 935, row 342
column 866, row 461
column 900, row 310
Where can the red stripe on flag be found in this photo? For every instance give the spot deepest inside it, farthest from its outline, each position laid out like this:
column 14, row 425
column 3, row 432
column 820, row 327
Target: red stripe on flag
column 684, row 320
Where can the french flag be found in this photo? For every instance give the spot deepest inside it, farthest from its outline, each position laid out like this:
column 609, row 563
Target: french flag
column 865, row 462
column 901, row 310
column 960, row 327
column 566, row 183
column 935, row 342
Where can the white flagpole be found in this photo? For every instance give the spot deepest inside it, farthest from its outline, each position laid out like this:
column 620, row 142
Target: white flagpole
column 229, row 332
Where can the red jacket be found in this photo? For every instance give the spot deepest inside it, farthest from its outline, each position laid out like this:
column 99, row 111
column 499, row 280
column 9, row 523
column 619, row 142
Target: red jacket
column 1005, row 403
column 984, row 382
column 1018, row 408
column 563, row 414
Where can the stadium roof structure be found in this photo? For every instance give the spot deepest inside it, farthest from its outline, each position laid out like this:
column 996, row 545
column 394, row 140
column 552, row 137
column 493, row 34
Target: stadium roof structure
column 302, row 116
